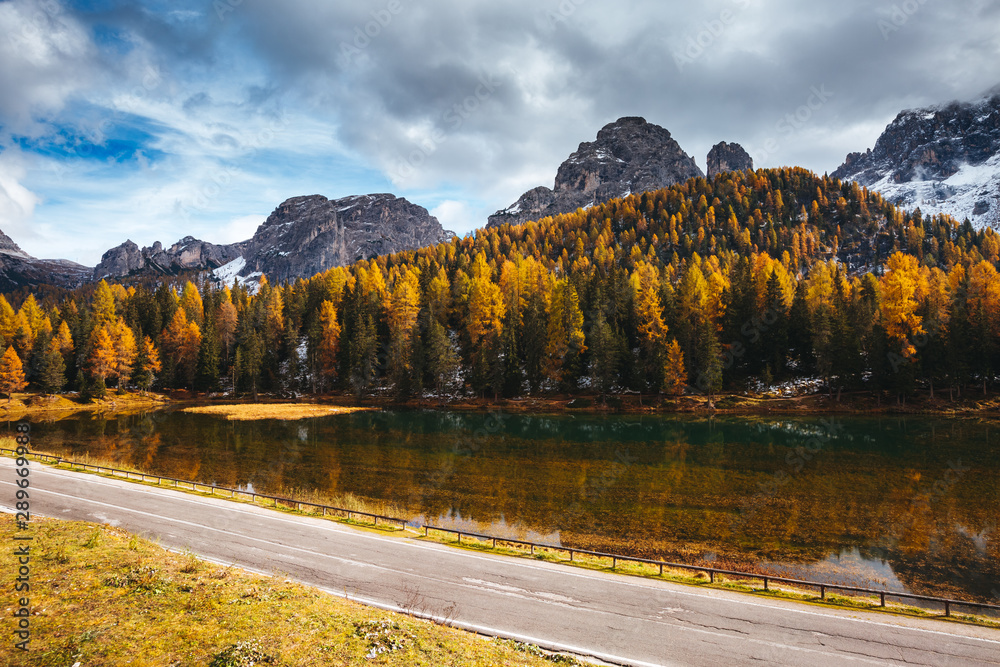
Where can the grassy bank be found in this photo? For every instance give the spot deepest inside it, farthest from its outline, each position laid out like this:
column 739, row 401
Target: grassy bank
column 973, row 403
column 59, row 406
column 101, row 596
column 283, row 411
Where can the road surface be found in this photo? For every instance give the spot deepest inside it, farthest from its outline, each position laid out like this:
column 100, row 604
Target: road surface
column 613, row 618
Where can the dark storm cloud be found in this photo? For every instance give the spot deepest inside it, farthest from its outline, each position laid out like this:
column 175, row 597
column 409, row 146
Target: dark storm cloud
column 730, row 70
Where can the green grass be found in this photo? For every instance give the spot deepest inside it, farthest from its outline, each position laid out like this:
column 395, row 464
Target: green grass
column 101, row 596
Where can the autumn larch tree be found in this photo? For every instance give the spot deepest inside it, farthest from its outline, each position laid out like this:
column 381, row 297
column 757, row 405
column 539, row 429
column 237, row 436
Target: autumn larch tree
column 11, row 374
column 101, row 362
column 147, row 364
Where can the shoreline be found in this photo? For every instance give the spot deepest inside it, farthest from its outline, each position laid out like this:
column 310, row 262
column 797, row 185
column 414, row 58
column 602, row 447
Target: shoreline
column 853, row 403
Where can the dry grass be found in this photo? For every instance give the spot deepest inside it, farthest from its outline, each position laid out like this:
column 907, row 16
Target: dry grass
column 285, row 411
column 103, row 597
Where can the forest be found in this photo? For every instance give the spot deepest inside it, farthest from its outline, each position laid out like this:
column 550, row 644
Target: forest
column 733, row 284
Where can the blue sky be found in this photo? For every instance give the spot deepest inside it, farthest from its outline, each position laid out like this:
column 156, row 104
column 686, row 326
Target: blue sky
column 156, row 120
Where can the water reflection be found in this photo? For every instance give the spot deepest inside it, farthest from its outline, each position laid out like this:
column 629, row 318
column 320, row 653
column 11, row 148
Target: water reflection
column 909, row 502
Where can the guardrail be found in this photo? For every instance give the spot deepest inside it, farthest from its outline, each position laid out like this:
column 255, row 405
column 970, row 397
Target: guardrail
column 614, row 558
column 212, row 488
column 712, row 572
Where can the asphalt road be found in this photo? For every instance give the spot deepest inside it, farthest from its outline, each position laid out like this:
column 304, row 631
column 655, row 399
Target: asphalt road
column 616, row 619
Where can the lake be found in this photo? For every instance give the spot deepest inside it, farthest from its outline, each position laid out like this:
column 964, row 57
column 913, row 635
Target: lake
column 908, row 503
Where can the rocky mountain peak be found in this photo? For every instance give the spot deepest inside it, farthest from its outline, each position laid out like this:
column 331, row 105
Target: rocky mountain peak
column 725, row 157
column 307, row 235
column 943, row 159
column 188, row 254
column 629, row 156
column 8, row 247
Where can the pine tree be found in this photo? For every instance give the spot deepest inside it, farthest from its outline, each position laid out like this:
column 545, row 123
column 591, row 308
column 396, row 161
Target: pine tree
column 53, row 375
column 442, row 359
column 11, row 374
column 565, row 338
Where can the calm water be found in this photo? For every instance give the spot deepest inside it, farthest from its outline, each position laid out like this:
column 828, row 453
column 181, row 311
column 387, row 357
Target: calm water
column 906, row 504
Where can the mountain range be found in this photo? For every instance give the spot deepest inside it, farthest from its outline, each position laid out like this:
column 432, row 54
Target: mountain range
column 943, row 159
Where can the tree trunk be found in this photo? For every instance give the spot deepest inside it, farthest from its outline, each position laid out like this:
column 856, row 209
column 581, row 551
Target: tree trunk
column 932, row 389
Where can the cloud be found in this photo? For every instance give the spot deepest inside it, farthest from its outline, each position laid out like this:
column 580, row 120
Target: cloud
column 45, row 57
column 196, row 122
column 17, row 203
column 239, row 229
column 453, row 214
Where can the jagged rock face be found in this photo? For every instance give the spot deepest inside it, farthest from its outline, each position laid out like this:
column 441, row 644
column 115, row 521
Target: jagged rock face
column 8, row 247
column 188, row 254
column 940, row 159
column 19, row 269
column 725, row 157
column 629, row 156
column 307, row 235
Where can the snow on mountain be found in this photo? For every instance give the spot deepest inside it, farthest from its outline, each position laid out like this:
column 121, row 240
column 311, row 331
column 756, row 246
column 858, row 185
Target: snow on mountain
column 942, row 159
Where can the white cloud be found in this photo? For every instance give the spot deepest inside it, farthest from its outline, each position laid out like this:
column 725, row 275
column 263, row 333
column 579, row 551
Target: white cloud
column 45, row 57
column 17, row 203
column 239, row 229
column 455, row 215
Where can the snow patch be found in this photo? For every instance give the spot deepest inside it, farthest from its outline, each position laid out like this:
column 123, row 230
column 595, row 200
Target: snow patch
column 227, row 273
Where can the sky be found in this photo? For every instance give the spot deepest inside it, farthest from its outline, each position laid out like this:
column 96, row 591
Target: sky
column 153, row 120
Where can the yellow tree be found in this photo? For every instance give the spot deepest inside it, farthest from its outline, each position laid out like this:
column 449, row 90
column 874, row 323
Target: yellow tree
column 63, row 340
column 8, row 320
column 486, row 311
column 192, row 304
column 123, row 341
column 648, row 307
column 226, row 322
column 404, row 306
column 101, row 361
column 181, row 343
column 439, row 296
column 11, row 374
column 565, row 339
column 103, row 305
column 147, row 364
column 329, row 340
column 674, row 372
column 900, row 286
